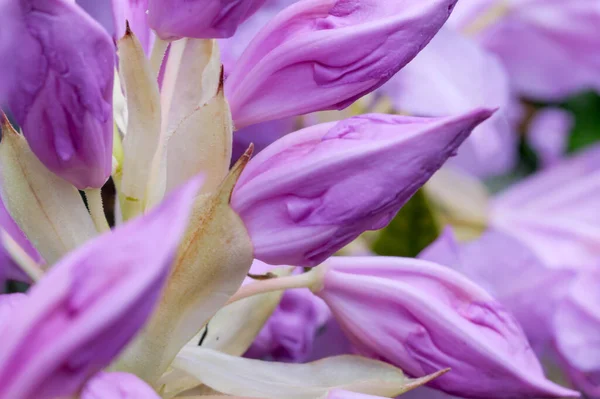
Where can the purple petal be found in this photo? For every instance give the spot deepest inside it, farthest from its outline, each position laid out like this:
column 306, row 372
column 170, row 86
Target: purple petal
column 173, row 19
column 423, row 317
column 306, row 59
column 289, row 333
column 555, row 212
column 59, row 84
column 8, row 304
column 512, row 273
column 313, row 191
column 232, row 48
column 548, row 57
column 101, row 11
column 427, row 393
column 548, row 134
column 576, row 328
column 331, row 341
column 261, row 135
column 453, row 74
column 90, row 304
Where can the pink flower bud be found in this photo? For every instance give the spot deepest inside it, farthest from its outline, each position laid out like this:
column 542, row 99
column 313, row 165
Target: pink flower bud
column 423, row 317
column 174, row 19
column 313, row 191
column 325, row 54
column 60, row 82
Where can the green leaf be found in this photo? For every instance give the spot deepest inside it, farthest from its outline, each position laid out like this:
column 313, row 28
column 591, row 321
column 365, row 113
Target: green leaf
column 586, row 108
column 413, row 229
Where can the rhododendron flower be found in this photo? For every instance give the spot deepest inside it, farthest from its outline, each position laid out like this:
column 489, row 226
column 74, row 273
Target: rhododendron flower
column 157, row 287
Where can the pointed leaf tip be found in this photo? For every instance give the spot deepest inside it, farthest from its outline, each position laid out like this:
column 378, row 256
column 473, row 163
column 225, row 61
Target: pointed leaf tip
column 128, row 31
column 221, row 78
column 418, row 382
column 235, row 173
column 6, row 126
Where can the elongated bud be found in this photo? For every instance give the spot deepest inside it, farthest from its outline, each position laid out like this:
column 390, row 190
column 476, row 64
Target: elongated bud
column 47, row 208
column 307, row 59
column 313, row 191
column 213, row 260
column 60, row 85
column 86, row 308
column 174, row 19
column 422, row 317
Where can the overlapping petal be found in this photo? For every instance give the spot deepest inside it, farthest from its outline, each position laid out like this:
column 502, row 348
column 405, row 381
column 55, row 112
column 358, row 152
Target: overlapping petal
column 313, row 191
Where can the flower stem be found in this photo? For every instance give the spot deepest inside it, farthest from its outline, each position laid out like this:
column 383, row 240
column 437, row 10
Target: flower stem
column 311, row 280
column 94, row 199
column 21, row 258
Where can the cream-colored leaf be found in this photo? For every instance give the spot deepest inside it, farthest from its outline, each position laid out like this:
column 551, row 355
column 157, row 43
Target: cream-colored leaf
column 214, row 257
column 192, row 77
column 196, row 116
column 233, row 329
column 259, row 379
column 202, row 142
column 196, row 127
column 21, row 258
column 200, row 391
column 177, row 382
column 142, row 139
column 48, row 209
column 119, row 105
column 459, row 200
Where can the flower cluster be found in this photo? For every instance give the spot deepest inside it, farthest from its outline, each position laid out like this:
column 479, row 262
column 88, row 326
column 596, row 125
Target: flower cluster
column 185, row 187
